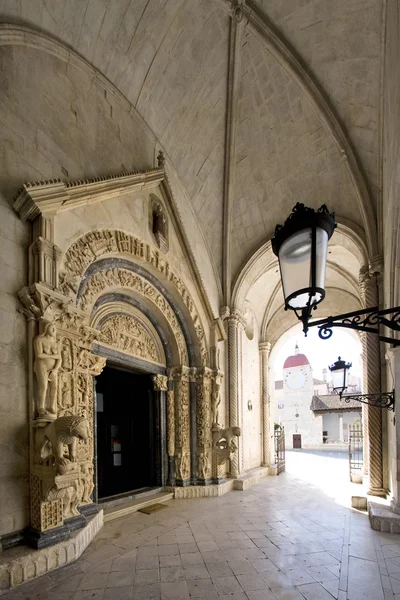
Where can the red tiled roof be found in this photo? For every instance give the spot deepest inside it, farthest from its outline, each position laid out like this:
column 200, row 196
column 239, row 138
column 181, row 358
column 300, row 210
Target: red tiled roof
column 297, row 360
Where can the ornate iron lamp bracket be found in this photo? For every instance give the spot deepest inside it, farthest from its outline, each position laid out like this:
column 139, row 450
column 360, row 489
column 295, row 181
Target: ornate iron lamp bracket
column 367, row 320
column 383, row 400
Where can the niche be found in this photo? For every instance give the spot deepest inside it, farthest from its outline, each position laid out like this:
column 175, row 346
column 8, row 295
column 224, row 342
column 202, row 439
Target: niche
column 158, row 223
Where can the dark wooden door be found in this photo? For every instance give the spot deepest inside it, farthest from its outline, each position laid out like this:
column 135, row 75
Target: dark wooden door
column 296, row 440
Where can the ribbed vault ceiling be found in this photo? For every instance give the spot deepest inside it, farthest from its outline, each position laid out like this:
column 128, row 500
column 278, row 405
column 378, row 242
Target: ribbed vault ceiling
column 171, row 60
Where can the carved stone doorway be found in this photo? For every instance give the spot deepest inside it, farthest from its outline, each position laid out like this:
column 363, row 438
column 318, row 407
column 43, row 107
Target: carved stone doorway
column 128, row 439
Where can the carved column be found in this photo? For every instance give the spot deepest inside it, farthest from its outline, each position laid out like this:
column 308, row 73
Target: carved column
column 217, row 467
column 182, row 426
column 171, row 433
column 369, row 293
column 160, row 387
column 203, row 425
column 235, row 322
column 264, row 349
column 363, row 338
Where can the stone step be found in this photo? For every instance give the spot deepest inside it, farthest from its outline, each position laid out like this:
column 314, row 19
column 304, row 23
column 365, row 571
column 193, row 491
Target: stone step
column 243, row 482
column 121, row 510
column 382, row 518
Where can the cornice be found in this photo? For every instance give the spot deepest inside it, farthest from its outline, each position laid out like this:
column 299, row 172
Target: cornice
column 50, row 197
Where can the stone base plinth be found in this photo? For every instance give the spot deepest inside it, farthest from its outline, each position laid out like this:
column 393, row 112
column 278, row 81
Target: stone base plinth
column 21, row 564
column 250, row 478
column 241, row 483
column 382, row 518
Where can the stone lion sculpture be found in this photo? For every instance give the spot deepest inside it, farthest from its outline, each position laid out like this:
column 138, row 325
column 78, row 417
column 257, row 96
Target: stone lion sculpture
column 66, row 430
column 225, row 438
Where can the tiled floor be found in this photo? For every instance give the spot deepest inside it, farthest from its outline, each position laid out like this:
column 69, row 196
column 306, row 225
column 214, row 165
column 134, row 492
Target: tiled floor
column 285, row 539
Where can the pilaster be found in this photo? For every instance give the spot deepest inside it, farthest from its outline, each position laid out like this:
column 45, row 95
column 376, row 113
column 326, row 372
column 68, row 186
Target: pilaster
column 264, row 350
column 236, row 322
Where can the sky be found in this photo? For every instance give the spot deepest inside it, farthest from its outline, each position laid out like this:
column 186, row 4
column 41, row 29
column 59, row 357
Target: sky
column 320, row 353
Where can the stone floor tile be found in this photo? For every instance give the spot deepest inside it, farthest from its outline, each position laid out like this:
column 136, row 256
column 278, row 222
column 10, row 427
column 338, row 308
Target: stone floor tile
column 196, row 572
column 174, row 591
column 286, row 593
column 242, row 567
column 226, row 585
column 170, row 574
column 213, row 556
column 168, row 549
column 121, row 578
column 299, row 576
column 147, row 562
column 93, row 581
column 253, row 553
column 200, row 588
column 192, row 558
column 320, row 573
column 332, row 587
column 171, row 560
column 226, row 544
column 275, row 579
column 262, row 564
column 239, row 535
column 203, row 537
column 83, row 595
column 207, row 546
column 145, row 576
column 219, row 569
column 186, row 548
column 186, row 538
column 146, row 551
column 143, row 592
column 123, row 593
column 252, row 583
column 236, row 596
column 245, row 544
column 364, row 580
column 123, row 563
column 315, row 591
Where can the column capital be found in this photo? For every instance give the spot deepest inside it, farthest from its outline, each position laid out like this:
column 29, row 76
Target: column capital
column 237, row 318
column 264, row 347
column 160, row 382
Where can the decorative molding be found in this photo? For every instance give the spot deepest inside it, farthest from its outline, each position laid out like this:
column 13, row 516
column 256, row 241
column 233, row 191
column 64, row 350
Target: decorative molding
column 160, row 382
column 50, row 197
column 128, row 334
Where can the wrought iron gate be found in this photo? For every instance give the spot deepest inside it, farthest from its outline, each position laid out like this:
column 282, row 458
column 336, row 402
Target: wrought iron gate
column 279, row 436
column 356, row 453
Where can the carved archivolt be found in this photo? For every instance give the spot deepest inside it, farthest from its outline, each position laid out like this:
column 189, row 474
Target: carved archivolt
column 118, row 278
column 95, row 244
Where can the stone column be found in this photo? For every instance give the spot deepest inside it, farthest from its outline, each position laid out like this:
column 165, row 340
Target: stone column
column 217, row 468
column 182, row 425
column 171, row 433
column 363, row 338
column 160, row 386
column 264, row 350
column 235, row 321
column 393, row 355
column 369, row 293
column 341, row 437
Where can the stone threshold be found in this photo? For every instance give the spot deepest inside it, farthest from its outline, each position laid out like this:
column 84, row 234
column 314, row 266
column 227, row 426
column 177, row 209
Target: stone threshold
column 22, row 564
column 241, row 483
column 126, row 508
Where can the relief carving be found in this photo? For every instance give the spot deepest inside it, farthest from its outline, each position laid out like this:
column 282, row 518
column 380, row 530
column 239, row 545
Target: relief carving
column 127, row 334
column 46, row 366
column 51, row 439
column 87, row 482
column 160, row 382
column 224, row 439
column 182, row 468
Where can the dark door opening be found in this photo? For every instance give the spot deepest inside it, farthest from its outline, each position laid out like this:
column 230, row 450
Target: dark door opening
column 296, row 440
column 127, row 444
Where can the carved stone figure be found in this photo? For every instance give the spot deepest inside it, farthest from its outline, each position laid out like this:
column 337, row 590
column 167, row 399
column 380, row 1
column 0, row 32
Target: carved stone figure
column 182, row 466
column 46, row 366
column 87, row 482
column 224, row 439
column 215, row 402
column 203, row 465
column 50, row 440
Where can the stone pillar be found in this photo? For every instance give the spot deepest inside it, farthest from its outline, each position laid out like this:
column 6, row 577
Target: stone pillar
column 217, row 468
column 264, row 350
column 369, row 293
column 341, row 437
column 160, row 386
column 171, row 433
column 235, row 321
column 182, row 425
column 363, row 338
column 393, row 355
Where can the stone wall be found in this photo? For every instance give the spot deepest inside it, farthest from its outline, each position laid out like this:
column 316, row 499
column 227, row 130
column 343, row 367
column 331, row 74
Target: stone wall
column 252, row 417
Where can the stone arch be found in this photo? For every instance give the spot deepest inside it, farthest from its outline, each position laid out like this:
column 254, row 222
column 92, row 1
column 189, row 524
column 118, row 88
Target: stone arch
column 87, row 255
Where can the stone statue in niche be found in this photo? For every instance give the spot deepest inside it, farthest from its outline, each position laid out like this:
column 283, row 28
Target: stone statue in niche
column 182, row 466
column 50, row 441
column 215, row 402
column 203, row 465
column 46, row 366
column 87, row 482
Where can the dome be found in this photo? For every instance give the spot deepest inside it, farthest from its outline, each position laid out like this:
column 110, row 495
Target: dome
column 296, row 360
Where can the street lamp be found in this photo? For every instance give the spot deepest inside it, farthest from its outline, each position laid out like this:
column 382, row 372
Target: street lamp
column 340, row 371
column 301, row 245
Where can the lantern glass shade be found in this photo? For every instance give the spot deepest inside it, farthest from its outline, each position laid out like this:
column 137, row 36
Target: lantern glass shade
column 340, row 372
column 303, row 267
